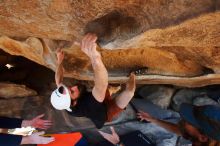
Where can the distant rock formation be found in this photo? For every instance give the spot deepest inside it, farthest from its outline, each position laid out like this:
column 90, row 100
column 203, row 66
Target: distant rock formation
column 10, row 90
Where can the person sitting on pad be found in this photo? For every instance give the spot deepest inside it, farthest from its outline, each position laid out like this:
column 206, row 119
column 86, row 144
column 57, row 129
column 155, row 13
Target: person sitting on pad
column 199, row 124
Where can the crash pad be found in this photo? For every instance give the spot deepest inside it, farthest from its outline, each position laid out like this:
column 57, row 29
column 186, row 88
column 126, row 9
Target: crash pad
column 67, row 139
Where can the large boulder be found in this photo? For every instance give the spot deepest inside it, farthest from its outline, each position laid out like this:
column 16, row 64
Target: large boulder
column 177, row 40
column 159, row 95
column 196, row 96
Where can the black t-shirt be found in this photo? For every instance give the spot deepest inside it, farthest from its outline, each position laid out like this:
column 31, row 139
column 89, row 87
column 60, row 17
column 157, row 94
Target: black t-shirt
column 88, row 106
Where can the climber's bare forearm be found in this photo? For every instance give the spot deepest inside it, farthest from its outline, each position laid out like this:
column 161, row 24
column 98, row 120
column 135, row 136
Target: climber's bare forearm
column 100, row 78
column 59, row 74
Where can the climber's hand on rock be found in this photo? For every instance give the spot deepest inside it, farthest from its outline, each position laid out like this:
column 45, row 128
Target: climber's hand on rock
column 88, row 46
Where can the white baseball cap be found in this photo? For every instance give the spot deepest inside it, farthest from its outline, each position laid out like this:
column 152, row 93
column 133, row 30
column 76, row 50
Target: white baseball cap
column 61, row 100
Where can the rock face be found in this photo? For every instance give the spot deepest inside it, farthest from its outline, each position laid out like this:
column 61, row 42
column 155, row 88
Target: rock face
column 159, row 95
column 9, row 90
column 196, row 96
column 177, row 40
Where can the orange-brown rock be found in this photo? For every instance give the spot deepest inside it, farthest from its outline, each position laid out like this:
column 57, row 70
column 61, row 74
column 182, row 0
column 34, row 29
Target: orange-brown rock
column 10, row 90
column 177, row 40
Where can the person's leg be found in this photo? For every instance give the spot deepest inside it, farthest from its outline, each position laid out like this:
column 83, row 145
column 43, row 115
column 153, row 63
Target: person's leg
column 125, row 96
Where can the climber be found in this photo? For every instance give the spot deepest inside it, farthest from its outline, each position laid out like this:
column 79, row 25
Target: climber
column 200, row 124
column 16, row 140
column 96, row 105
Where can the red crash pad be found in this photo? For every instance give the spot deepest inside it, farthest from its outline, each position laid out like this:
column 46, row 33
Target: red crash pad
column 69, row 139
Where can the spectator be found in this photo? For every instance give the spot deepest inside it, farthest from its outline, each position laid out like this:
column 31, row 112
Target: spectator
column 200, row 124
column 16, row 140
